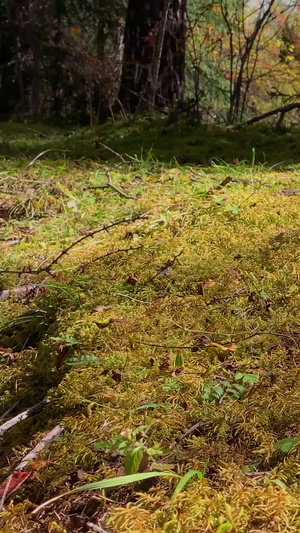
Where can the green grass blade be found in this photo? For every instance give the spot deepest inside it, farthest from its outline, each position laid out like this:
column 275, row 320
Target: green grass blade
column 185, row 479
column 122, row 480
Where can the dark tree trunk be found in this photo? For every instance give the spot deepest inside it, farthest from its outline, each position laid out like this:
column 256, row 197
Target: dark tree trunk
column 154, row 43
column 172, row 68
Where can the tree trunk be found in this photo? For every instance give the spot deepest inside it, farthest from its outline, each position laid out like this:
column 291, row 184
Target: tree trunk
column 154, row 53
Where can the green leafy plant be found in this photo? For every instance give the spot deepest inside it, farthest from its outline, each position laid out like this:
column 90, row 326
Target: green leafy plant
column 83, row 360
column 133, row 448
column 68, row 340
column 125, row 480
column 285, row 445
column 179, row 360
column 186, row 478
column 217, row 391
column 171, row 384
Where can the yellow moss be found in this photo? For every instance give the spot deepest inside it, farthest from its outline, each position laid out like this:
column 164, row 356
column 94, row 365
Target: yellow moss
column 251, row 263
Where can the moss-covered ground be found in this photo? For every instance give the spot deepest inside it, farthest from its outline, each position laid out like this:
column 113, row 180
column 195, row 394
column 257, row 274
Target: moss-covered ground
column 188, row 315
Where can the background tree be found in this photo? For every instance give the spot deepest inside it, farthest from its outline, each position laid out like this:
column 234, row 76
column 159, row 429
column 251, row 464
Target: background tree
column 154, row 53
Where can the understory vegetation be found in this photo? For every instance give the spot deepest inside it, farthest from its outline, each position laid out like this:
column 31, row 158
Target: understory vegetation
column 167, row 343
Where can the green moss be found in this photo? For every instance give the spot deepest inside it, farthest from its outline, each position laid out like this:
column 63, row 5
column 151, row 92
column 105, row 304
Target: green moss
column 135, row 310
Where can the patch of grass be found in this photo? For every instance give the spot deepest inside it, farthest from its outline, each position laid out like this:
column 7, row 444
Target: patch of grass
column 187, row 318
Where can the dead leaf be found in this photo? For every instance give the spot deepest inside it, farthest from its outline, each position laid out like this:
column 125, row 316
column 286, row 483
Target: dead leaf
column 22, row 294
column 132, row 280
column 204, row 285
column 100, row 308
column 35, row 466
column 116, row 375
column 224, row 347
column 12, row 483
column 165, row 364
column 225, row 182
column 177, row 371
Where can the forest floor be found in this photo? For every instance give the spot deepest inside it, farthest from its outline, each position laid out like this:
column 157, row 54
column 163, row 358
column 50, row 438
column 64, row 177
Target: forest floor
column 169, row 343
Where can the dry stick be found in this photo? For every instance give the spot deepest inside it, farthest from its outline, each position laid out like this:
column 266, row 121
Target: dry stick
column 113, row 152
column 48, row 267
column 283, row 109
column 165, row 267
column 10, row 409
column 110, row 185
column 216, row 333
column 236, row 294
column 130, row 297
column 45, row 152
column 185, row 434
column 42, row 445
column 81, row 268
column 96, row 528
column 22, row 416
column 8, row 480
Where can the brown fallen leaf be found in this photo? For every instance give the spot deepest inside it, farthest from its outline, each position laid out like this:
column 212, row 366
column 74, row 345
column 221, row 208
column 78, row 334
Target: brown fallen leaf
column 36, row 465
column 225, row 182
column 22, row 294
column 100, row 308
column 132, row 280
column 224, row 347
column 116, row 375
column 204, row 285
column 165, row 364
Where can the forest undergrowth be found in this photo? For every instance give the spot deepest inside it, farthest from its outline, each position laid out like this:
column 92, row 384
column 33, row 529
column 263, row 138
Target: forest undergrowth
column 168, row 342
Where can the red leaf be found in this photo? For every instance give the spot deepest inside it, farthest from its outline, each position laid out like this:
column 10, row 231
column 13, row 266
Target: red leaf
column 12, row 483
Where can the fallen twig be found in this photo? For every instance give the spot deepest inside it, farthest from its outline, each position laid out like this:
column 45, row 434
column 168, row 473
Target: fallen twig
column 96, row 528
column 10, row 409
column 164, row 270
column 130, row 298
column 41, row 445
column 282, row 110
column 236, row 294
column 185, row 434
column 112, row 151
column 47, row 268
column 9, row 483
column 121, row 250
column 110, row 184
column 22, row 416
column 190, row 347
column 165, row 346
column 45, row 152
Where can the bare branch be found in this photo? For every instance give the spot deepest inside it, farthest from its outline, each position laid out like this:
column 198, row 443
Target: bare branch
column 283, row 109
column 110, row 184
column 81, row 268
column 22, row 416
column 47, row 268
column 113, row 152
